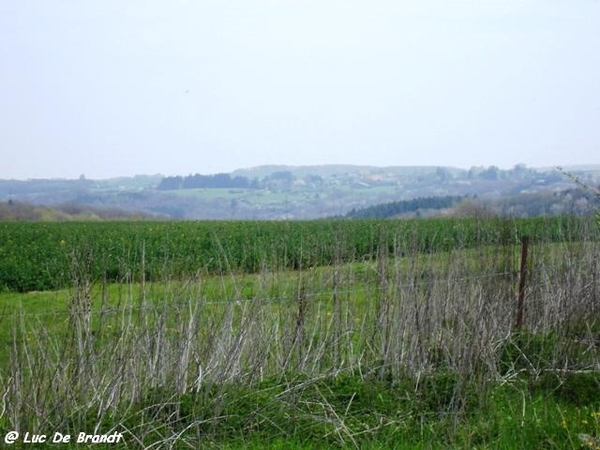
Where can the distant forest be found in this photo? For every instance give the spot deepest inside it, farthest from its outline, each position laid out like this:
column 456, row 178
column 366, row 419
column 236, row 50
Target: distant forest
column 392, row 209
column 197, row 181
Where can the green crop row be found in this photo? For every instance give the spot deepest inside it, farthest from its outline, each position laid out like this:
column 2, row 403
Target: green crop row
column 43, row 256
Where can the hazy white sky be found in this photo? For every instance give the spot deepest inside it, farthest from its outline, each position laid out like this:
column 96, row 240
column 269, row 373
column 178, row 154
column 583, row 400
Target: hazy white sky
column 113, row 87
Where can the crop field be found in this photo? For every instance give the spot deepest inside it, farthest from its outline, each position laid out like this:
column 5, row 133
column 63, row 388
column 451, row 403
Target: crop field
column 40, row 256
column 318, row 334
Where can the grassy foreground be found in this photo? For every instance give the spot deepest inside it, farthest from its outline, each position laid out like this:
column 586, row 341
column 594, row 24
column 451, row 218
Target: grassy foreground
column 404, row 349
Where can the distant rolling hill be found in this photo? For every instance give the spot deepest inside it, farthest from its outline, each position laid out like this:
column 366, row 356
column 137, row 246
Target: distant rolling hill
column 278, row 192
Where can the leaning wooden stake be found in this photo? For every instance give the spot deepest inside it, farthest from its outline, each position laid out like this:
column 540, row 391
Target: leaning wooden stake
column 521, row 298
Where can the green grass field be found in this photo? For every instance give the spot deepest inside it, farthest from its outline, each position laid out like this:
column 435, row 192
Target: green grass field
column 41, row 256
column 324, row 334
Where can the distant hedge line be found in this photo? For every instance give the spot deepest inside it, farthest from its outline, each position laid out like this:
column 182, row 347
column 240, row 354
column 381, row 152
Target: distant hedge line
column 43, row 256
column 391, row 209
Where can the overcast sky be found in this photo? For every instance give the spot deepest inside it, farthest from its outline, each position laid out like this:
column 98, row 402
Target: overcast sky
column 113, row 87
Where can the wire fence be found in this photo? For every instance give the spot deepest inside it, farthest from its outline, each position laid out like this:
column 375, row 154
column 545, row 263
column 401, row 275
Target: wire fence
column 383, row 320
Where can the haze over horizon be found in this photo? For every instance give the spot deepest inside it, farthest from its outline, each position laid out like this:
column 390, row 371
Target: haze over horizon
column 113, row 88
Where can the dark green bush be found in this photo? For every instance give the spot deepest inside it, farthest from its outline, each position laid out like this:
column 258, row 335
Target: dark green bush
column 576, row 388
column 528, row 351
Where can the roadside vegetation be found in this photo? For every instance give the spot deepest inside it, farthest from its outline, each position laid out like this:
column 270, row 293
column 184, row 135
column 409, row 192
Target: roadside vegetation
column 323, row 334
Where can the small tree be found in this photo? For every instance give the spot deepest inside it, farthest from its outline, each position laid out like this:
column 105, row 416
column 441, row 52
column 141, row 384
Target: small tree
column 594, row 191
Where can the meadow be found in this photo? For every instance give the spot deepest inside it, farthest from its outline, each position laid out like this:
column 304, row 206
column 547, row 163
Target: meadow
column 317, row 334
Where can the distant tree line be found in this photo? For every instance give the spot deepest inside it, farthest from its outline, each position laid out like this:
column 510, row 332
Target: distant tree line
column 22, row 211
column 197, row 181
column 392, row 209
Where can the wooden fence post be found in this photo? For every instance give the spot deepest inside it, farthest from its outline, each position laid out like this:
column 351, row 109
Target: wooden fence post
column 522, row 279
